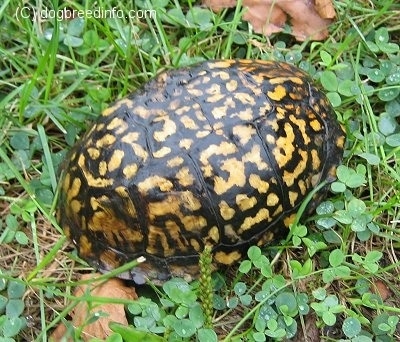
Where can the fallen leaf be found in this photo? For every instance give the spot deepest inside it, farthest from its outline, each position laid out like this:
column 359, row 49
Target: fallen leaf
column 219, row 5
column 311, row 333
column 308, row 20
column 381, row 289
column 111, row 312
column 306, row 23
column 325, row 9
column 265, row 18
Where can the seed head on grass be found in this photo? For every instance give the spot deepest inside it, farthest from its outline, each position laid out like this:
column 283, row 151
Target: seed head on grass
column 206, row 287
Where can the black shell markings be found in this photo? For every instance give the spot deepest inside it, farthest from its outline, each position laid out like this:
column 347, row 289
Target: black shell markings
column 218, row 154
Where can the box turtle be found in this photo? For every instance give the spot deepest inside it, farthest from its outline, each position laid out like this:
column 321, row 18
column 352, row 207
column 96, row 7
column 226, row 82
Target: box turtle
column 218, row 154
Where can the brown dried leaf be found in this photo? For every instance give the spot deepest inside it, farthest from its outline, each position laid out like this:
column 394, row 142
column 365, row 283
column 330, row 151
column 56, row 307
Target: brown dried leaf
column 381, row 289
column 113, row 288
column 269, row 16
column 219, row 5
column 264, row 17
column 306, row 23
column 311, row 332
column 325, row 9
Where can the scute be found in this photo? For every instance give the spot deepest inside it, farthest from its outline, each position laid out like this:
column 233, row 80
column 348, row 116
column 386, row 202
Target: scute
column 218, row 154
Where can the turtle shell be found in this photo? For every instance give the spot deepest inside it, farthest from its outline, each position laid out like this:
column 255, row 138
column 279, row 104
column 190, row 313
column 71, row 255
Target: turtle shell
column 218, row 154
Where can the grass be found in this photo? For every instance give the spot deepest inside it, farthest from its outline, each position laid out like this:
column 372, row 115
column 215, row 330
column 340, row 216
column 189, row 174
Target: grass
column 337, row 276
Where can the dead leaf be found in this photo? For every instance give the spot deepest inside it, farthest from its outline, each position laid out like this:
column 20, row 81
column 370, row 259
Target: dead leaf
column 219, row 5
column 265, row 18
column 306, row 23
column 307, row 19
column 381, row 289
column 325, row 9
column 311, row 333
column 112, row 288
